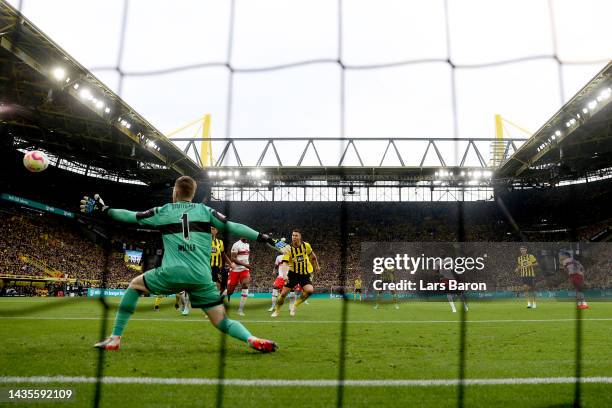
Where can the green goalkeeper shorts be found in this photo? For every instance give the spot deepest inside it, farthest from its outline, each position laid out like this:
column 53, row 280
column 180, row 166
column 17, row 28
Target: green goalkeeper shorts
column 166, row 281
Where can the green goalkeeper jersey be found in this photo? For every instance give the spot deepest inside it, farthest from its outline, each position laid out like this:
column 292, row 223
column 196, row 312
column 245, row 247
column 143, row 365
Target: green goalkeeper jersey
column 185, row 229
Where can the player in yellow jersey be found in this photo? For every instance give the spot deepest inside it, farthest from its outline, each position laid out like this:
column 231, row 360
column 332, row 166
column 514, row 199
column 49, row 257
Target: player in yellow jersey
column 302, row 263
column 217, row 258
column 357, row 288
column 526, row 264
column 181, row 303
column 158, row 300
column 388, row 276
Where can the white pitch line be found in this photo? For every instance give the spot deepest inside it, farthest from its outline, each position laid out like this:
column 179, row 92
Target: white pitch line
column 182, row 320
column 305, row 383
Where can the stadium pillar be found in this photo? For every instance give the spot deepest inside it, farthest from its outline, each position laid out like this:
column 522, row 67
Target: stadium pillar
column 206, row 147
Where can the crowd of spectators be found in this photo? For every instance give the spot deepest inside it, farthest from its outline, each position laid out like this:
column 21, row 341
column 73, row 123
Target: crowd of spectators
column 320, row 224
column 35, row 245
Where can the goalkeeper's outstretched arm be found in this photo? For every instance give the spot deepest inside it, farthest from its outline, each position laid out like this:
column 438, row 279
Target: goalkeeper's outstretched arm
column 96, row 205
column 220, row 222
column 131, row 217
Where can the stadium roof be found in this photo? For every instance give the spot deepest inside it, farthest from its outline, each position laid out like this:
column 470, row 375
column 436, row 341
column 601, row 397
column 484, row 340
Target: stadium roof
column 409, row 160
column 575, row 142
column 51, row 102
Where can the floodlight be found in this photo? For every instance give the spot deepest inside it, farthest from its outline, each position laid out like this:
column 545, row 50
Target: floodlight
column 59, row 74
column 85, row 94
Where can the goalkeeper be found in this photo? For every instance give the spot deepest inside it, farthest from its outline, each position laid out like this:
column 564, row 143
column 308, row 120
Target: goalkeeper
column 185, row 229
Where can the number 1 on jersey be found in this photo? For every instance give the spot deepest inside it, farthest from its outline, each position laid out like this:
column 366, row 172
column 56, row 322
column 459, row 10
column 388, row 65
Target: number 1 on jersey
column 185, row 222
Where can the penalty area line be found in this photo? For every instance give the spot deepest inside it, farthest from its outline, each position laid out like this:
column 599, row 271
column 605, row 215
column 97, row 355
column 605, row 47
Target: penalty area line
column 304, row 383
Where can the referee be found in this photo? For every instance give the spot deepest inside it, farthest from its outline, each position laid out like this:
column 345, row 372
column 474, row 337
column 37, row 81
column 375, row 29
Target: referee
column 526, row 264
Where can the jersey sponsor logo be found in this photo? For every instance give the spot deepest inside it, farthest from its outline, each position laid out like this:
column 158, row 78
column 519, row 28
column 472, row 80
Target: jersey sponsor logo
column 182, row 206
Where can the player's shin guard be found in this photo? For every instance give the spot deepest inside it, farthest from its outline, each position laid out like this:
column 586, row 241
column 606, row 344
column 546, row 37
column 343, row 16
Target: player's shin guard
column 279, row 302
column 243, row 298
column 126, row 309
column 302, row 299
column 234, row 329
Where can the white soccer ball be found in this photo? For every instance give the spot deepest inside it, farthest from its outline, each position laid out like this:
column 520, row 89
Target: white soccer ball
column 35, row 161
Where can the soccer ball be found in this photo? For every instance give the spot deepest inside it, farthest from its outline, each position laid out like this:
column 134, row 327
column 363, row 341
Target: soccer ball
column 35, row 161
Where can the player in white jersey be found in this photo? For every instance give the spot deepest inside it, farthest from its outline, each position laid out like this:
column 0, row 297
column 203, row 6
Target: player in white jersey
column 575, row 271
column 446, row 276
column 280, row 270
column 240, row 272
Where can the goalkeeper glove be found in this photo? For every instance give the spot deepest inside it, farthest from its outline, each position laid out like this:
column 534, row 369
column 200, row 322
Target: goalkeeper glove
column 275, row 244
column 93, row 206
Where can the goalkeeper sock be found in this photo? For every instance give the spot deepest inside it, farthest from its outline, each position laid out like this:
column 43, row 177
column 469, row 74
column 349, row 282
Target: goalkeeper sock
column 234, row 328
column 243, row 299
column 126, row 309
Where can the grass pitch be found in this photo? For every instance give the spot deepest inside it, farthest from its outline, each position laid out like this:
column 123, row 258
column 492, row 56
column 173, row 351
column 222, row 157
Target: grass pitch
column 420, row 341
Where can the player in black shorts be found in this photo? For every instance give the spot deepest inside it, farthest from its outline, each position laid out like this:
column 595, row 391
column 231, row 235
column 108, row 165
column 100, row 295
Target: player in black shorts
column 217, row 258
column 223, row 276
column 302, row 262
column 295, row 279
column 526, row 264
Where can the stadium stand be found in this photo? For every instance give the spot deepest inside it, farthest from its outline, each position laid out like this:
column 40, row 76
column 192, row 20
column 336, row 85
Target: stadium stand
column 39, row 244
